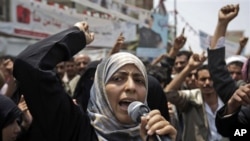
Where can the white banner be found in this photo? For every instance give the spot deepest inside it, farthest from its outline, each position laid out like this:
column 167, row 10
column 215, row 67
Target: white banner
column 107, row 31
column 231, row 47
column 95, row 54
column 13, row 46
column 117, row 8
column 38, row 20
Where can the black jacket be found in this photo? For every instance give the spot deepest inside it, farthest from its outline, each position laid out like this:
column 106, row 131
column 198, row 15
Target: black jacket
column 55, row 116
column 222, row 81
column 225, row 87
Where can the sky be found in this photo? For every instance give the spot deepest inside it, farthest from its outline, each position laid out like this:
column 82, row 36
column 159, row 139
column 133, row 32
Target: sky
column 197, row 15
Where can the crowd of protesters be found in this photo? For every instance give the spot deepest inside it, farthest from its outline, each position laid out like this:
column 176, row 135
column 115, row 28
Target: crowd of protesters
column 50, row 91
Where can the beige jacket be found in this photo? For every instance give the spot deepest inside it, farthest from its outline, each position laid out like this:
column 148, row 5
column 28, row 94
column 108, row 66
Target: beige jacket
column 190, row 103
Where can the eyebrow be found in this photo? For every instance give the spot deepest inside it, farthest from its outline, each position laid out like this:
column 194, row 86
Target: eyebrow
column 136, row 74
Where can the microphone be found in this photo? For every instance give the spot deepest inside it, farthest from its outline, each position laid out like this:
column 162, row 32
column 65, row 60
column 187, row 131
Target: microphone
column 137, row 109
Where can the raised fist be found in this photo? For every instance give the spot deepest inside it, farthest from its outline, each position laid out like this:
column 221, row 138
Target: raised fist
column 83, row 26
column 228, row 12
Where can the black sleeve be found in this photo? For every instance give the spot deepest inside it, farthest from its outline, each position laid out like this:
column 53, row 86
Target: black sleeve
column 228, row 126
column 223, row 83
column 52, row 109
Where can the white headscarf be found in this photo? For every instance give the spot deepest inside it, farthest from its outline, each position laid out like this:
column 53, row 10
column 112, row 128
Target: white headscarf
column 100, row 112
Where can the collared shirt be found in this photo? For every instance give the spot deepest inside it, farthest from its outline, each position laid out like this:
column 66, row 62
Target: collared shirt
column 214, row 135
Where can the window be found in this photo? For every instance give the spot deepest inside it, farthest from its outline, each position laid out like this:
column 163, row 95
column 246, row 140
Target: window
column 2, row 9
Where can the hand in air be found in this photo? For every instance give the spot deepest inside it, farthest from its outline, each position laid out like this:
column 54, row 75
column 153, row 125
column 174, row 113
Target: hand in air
column 228, row 12
column 83, row 26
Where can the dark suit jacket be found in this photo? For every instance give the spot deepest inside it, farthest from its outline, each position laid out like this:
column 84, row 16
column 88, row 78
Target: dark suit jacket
column 225, row 87
column 223, row 82
column 233, row 126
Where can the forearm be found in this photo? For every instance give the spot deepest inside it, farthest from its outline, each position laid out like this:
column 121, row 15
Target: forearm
column 11, row 86
column 220, row 31
column 33, row 69
column 114, row 50
column 231, row 108
column 157, row 60
column 222, row 81
column 177, row 81
column 172, row 53
column 183, row 98
column 54, row 49
column 238, row 52
column 169, row 58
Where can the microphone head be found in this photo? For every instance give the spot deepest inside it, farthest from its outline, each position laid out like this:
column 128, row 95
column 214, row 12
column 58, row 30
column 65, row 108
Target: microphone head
column 137, row 109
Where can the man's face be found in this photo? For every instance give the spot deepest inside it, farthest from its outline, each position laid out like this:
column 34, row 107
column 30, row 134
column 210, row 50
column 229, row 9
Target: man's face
column 70, row 68
column 180, row 63
column 60, row 69
column 81, row 63
column 235, row 72
column 191, row 80
column 204, row 82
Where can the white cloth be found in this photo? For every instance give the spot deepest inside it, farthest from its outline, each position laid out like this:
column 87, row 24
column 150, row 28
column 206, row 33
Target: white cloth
column 236, row 58
column 3, row 90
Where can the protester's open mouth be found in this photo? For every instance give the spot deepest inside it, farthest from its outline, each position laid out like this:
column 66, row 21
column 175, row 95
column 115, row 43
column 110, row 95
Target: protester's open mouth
column 124, row 104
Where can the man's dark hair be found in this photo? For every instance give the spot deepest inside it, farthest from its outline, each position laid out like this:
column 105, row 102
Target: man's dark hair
column 184, row 52
column 202, row 67
column 160, row 73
